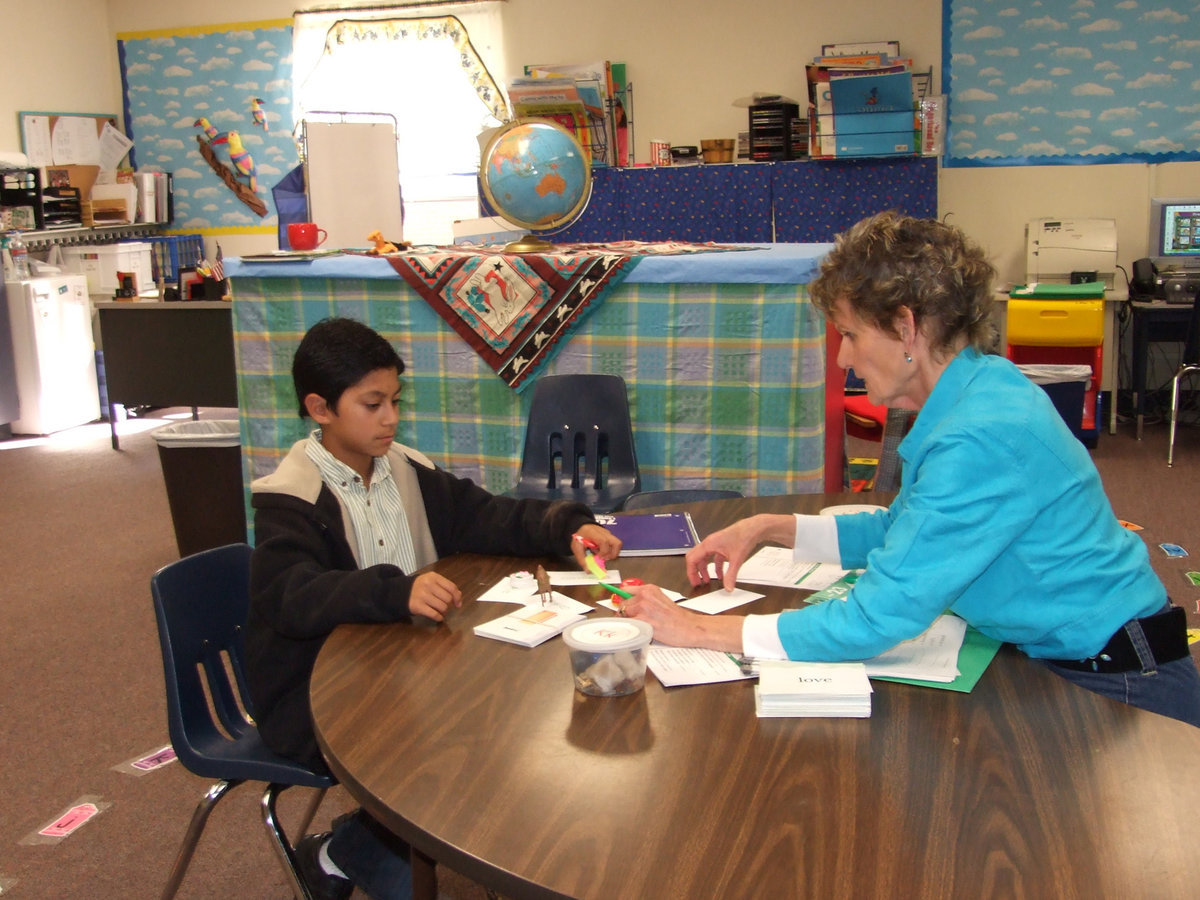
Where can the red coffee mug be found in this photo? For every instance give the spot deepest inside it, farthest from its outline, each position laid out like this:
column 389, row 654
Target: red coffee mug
column 303, row 236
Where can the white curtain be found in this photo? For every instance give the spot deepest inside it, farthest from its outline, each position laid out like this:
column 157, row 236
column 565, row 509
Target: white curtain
column 427, row 67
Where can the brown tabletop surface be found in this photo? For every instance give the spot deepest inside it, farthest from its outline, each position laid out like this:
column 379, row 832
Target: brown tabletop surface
column 484, row 757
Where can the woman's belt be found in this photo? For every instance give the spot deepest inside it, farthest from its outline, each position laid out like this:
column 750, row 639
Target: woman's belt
column 1166, row 636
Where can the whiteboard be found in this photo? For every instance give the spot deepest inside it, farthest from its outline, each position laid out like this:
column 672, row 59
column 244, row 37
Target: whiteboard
column 353, row 181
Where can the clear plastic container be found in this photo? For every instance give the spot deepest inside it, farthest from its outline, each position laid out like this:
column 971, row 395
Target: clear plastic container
column 608, row 656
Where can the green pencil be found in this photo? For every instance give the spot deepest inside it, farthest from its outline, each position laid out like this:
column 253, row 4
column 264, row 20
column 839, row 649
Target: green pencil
column 616, row 590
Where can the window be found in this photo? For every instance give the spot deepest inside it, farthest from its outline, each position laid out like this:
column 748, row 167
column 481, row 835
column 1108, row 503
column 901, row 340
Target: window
column 428, row 75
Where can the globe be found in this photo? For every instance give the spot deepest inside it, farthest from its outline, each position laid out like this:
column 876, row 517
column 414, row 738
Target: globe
column 537, row 175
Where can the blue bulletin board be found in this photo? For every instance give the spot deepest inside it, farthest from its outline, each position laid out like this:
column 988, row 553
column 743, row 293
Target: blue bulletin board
column 213, row 106
column 1066, row 83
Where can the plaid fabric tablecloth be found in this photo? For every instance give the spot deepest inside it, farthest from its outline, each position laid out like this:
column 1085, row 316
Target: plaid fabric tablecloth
column 726, row 381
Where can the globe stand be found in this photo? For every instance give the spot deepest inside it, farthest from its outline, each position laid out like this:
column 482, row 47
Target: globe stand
column 530, row 243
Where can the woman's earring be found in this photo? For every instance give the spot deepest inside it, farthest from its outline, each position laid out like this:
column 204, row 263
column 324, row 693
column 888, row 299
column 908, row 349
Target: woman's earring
column 907, row 358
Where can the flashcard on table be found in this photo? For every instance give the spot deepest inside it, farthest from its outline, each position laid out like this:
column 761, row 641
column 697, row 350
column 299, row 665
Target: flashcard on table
column 1173, row 550
column 1130, row 525
column 719, row 601
column 571, row 578
column 1193, row 578
column 511, row 589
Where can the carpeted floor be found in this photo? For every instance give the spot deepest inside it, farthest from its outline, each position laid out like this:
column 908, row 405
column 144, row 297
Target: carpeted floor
column 84, row 528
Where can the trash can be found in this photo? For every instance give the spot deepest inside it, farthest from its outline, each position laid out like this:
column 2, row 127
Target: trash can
column 202, row 469
column 1066, row 385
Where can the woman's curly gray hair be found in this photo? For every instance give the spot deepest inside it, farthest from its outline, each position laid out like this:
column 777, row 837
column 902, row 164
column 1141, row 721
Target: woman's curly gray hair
column 890, row 261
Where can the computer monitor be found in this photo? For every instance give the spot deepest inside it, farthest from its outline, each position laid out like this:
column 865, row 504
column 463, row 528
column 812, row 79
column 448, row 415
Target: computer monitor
column 1175, row 233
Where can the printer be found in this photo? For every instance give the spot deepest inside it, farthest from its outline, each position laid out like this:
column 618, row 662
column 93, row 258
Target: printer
column 1069, row 251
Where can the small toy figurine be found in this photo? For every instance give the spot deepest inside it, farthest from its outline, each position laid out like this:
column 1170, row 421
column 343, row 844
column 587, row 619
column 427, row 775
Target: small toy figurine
column 239, row 156
column 259, row 114
column 382, row 244
column 543, row 583
column 209, row 130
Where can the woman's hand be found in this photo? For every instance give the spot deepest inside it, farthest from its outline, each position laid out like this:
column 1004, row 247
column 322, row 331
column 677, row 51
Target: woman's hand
column 681, row 627
column 728, row 548
column 432, row 595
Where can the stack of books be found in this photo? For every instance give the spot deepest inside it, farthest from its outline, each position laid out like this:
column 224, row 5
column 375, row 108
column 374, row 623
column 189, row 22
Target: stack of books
column 588, row 99
column 812, row 689
column 865, row 100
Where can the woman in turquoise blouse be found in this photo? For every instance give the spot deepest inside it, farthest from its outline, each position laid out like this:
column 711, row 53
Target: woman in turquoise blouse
column 1001, row 517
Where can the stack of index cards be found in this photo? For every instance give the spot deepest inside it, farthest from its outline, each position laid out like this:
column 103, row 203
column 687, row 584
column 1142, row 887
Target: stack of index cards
column 812, row 689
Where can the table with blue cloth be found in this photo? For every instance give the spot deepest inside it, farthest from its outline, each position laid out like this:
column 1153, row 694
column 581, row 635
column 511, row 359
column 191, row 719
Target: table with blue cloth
column 722, row 353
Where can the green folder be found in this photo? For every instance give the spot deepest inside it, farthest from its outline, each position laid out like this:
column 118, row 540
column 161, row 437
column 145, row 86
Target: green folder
column 977, row 652
column 974, row 656
column 1089, row 290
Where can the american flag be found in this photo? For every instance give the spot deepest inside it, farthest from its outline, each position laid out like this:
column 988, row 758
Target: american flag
column 218, row 267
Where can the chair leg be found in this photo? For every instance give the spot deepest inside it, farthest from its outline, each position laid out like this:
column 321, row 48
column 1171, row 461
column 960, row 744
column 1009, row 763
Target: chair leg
column 192, row 838
column 311, row 813
column 1174, row 416
column 279, row 840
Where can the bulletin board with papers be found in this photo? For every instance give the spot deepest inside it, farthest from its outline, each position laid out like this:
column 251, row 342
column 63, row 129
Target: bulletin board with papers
column 87, row 147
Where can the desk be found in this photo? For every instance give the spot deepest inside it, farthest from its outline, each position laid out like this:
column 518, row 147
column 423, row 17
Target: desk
column 1157, row 321
column 722, row 354
column 167, row 354
column 482, row 755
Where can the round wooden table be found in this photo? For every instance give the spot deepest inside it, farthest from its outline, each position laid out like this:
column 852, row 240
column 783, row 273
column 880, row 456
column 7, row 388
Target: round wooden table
column 483, row 756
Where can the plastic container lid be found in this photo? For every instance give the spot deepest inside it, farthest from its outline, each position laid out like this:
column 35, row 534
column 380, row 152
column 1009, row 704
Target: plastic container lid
column 608, row 635
column 849, row 509
column 210, row 433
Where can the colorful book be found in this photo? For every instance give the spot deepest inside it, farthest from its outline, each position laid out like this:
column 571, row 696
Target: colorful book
column 872, row 113
column 652, row 534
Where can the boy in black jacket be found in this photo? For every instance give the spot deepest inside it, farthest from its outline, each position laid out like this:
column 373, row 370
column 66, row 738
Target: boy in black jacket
column 341, row 527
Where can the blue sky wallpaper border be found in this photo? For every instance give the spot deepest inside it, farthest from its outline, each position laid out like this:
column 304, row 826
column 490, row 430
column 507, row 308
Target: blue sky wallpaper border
column 173, row 78
column 1074, row 82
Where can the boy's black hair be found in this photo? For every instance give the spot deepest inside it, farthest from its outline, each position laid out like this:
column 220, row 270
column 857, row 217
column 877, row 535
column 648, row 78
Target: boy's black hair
column 336, row 354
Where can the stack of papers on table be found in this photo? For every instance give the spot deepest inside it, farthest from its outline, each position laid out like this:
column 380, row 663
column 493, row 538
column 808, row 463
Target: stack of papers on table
column 930, row 656
column 812, row 689
column 775, row 566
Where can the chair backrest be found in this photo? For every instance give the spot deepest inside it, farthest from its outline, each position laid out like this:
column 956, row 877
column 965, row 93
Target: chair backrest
column 201, row 603
column 579, row 442
column 647, row 499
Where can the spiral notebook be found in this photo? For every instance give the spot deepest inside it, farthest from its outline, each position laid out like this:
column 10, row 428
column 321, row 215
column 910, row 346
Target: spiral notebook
column 652, row 534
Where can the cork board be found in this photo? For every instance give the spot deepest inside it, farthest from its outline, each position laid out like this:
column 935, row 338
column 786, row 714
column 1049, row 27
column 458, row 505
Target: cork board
column 72, row 147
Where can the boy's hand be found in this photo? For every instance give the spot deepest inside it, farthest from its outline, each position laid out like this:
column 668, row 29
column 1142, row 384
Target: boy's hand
column 432, row 595
column 608, row 545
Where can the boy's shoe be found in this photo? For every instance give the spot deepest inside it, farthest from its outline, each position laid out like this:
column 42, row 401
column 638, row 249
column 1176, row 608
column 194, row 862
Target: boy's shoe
column 321, row 884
